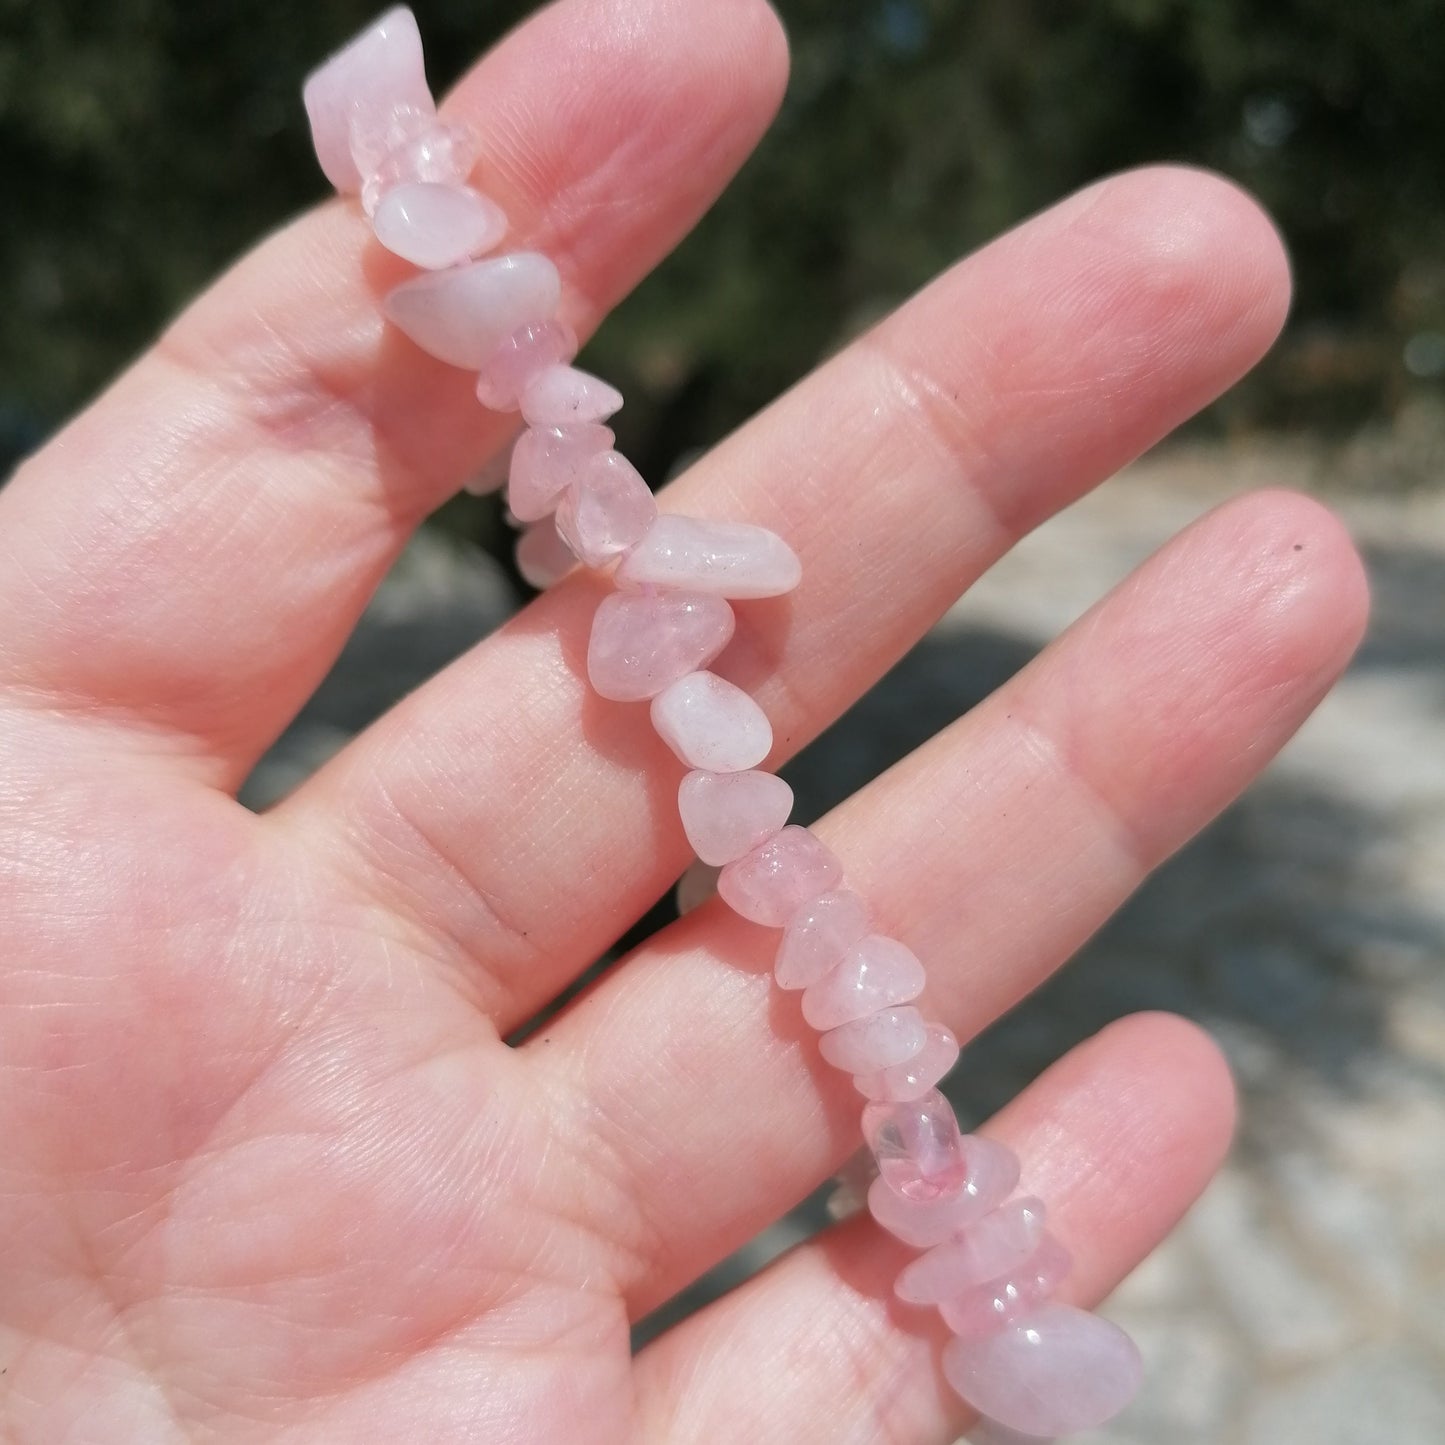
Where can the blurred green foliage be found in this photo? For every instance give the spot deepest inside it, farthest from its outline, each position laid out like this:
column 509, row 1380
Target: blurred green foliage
column 145, row 142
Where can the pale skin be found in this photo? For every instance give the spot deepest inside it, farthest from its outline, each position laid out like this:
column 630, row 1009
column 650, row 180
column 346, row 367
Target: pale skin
column 268, row 1171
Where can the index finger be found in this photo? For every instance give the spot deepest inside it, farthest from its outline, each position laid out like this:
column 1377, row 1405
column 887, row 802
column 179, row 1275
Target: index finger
column 191, row 553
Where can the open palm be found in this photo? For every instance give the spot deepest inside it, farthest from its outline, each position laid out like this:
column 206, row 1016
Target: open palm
column 267, row 1170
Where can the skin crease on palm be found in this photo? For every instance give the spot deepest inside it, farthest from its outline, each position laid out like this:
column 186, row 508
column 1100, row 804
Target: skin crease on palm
column 269, row 1173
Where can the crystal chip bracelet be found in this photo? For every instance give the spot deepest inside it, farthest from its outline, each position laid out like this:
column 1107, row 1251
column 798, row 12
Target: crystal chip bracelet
column 1032, row 1366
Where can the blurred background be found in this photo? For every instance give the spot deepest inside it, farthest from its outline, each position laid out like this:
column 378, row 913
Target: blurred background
column 146, row 142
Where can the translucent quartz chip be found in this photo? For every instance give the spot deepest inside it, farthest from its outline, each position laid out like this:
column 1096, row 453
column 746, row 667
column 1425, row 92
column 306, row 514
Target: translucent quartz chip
column 363, row 84
column 542, row 556
column 997, row 1244
column 991, row 1173
column 914, row 1078
column 712, row 723
column 464, row 314
column 817, row 938
column 875, row 973
column 981, row 1311
column 533, row 347
column 881, row 1040
column 697, row 884
column 561, row 394
column 641, row 644
column 1055, row 1371
column 726, row 814
column 769, row 884
column 435, row 225
column 442, row 152
column 546, row 461
column 917, row 1145
column 733, row 559
column 375, row 135
column 606, row 509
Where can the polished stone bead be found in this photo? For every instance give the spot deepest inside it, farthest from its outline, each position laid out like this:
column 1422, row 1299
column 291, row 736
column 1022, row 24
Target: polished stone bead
column 548, row 460
column 917, row 1144
column 360, row 86
column 875, row 973
column 1055, row 1371
column 641, row 644
column 991, row 1174
column 733, row 559
column 560, row 394
column 914, row 1078
column 442, row 152
column 462, row 315
column 984, row 1309
column 606, row 509
column 818, row 936
column 531, row 348
column 712, row 723
column 378, row 134
column 881, row 1040
column 995, row 1245
column 433, row 225
column 542, row 556
column 769, row 884
column 727, row 814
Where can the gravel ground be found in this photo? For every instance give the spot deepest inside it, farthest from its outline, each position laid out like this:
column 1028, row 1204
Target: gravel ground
column 1303, row 1301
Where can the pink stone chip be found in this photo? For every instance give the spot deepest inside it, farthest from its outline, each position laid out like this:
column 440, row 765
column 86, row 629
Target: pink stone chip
column 377, row 135
column 642, row 644
column 817, row 938
column 546, row 461
column 991, row 1175
column 733, row 559
column 878, row 1042
column 981, row 1311
column 727, row 814
column 712, row 723
column 1055, row 1371
column 434, row 225
column 996, row 1245
column 770, row 884
column 875, row 973
column 441, row 152
column 914, row 1078
column 380, row 69
column 562, row 394
column 531, row 348
column 542, row 556
column 606, row 509
column 917, row 1145
column 462, row 315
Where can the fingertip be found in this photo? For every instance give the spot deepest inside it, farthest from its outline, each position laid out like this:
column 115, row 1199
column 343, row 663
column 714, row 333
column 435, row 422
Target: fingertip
column 1173, row 1072
column 763, row 49
column 1140, row 1117
column 1198, row 223
column 1303, row 589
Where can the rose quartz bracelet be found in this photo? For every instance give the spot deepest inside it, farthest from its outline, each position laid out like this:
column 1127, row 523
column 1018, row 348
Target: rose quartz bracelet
column 986, row 1263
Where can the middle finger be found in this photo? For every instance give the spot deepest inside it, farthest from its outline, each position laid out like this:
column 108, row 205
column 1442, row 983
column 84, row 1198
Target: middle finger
column 518, row 826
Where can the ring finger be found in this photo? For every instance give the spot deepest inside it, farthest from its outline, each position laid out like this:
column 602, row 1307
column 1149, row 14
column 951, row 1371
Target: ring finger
column 701, row 1108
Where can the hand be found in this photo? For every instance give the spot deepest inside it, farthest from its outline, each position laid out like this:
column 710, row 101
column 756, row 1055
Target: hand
column 269, row 1173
